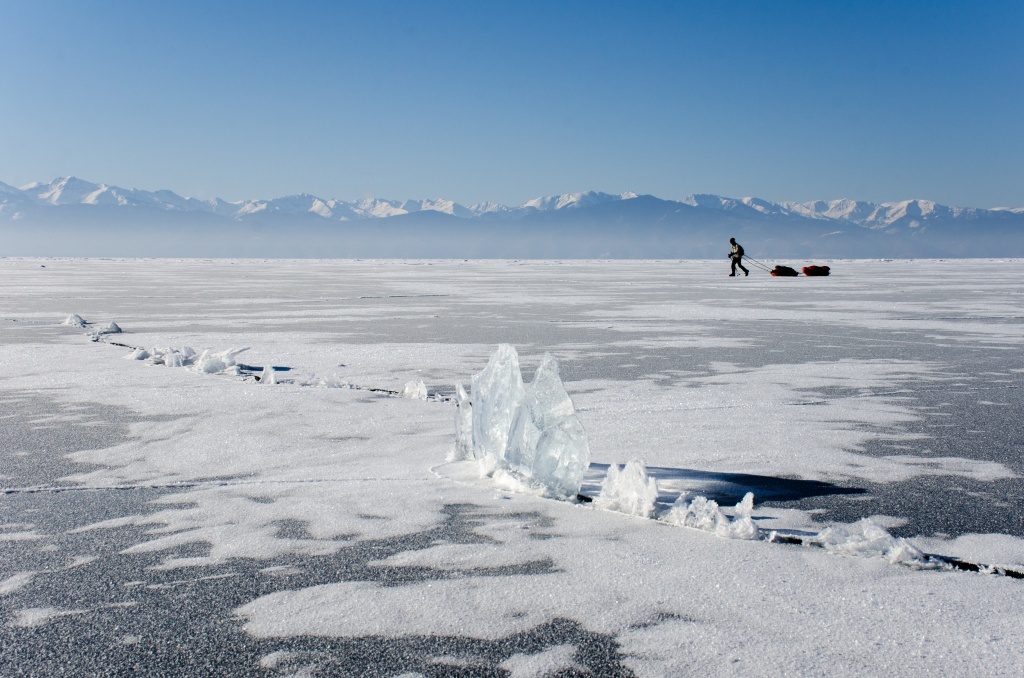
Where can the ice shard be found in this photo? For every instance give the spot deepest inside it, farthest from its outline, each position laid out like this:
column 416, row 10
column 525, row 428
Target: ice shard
column 547, row 445
column 415, row 390
column 463, row 424
column 496, row 391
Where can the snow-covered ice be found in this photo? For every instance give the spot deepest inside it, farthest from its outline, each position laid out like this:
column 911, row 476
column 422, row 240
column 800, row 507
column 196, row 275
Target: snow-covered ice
column 168, row 517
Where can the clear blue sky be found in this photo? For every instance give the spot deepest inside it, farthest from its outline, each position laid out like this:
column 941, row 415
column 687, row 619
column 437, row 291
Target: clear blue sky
column 506, row 101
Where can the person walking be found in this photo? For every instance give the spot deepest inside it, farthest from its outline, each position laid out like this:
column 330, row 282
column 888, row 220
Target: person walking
column 736, row 254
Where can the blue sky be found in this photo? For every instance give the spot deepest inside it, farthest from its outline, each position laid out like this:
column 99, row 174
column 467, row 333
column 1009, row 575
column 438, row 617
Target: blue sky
column 501, row 101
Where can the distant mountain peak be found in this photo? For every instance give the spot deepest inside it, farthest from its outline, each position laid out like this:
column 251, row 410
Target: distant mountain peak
column 586, row 223
column 573, row 200
column 71, row 190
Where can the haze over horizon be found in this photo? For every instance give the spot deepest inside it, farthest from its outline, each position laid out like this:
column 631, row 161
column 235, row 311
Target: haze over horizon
column 785, row 102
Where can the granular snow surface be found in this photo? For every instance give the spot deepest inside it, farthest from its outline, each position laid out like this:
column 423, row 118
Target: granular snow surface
column 253, row 476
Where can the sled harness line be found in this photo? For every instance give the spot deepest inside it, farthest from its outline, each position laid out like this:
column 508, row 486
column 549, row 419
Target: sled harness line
column 760, row 264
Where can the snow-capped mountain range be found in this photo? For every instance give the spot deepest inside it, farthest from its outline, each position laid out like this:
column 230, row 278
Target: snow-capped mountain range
column 567, row 225
column 75, row 191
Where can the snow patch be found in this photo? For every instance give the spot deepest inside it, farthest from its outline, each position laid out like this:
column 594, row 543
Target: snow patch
column 552, row 661
column 37, row 616
column 15, row 582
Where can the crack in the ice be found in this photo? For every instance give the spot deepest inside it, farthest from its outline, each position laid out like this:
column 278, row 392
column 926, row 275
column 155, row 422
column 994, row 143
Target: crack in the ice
column 200, row 484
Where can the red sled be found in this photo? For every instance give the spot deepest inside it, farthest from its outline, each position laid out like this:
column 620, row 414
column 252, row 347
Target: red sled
column 784, row 272
column 815, row 270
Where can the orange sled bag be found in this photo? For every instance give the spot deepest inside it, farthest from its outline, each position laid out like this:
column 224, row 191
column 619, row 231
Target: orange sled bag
column 784, row 272
column 815, row 270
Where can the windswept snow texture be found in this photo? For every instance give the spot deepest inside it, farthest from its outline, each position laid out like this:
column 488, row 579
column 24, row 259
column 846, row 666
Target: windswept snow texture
column 195, row 521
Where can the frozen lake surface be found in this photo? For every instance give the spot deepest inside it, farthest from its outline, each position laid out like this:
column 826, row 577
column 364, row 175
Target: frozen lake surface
column 168, row 521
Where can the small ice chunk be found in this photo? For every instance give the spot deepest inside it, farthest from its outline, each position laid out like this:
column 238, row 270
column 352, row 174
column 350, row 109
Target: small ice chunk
column 269, row 376
column 139, row 354
column 699, row 513
column 865, row 538
column 463, row 425
column 547, row 445
column 415, row 390
column 112, row 328
column 213, row 363
column 172, row 357
column 702, row 513
column 74, row 320
column 496, row 392
column 742, row 525
column 169, row 357
column 628, row 491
